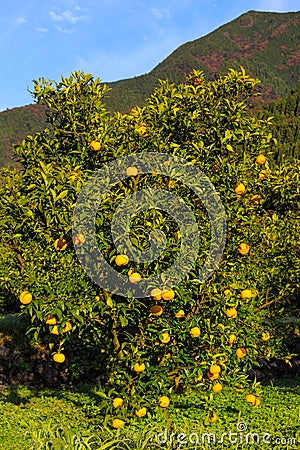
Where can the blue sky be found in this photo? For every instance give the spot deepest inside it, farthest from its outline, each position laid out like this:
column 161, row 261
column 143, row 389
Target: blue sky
column 111, row 39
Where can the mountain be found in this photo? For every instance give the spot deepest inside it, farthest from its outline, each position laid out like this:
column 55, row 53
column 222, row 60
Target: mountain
column 266, row 44
column 15, row 124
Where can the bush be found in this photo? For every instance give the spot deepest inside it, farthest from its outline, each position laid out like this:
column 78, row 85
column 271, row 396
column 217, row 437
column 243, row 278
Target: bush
column 144, row 352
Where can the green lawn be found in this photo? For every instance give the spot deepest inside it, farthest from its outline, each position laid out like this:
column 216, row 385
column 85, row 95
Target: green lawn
column 75, row 419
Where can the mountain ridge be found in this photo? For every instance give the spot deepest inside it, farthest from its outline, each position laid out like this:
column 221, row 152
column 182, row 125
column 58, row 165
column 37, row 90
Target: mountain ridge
column 209, row 54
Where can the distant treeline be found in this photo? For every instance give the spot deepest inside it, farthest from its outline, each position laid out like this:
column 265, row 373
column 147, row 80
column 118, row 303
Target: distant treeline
column 286, row 123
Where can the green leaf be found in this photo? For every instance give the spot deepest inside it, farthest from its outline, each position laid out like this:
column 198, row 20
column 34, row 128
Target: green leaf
column 45, row 179
column 123, row 321
column 53, row 195
column 109, row 302
column 62, row 195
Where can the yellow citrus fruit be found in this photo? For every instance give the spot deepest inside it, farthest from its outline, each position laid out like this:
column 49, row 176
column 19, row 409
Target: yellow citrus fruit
column 195, row 331
column 217, row 388
column 25, row 297
column 156, row 310
column 239, row 188
column 141, row 412
column 213, row 418
column 241, row 352
column 168, row 294
column 156, row 294
column 250, row 398
column 265, row 336
column 134, row 277
column 95, row 146
column 215, row 368
column 246, row 294
column 255, row 401
column 118, row 423
column 165, row 338
column 212, row 376
column 139, row 367
column 67, row 327
column 261, row 159
column 51, row 320
column 60, row 244
column 131, row 171
column 55, row 330
column 263, row 174
column 122, row 260
column 164, row 401
column 232, row 339
column 256, row 199
column 79, row 239
column 243, row 248
column 118, row 402
column 180, row 314
column 59, row 358
column 231, row 313
column 227, row 292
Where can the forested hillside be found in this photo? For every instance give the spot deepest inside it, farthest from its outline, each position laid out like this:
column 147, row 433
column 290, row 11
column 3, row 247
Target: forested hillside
column 15, row 125
column 286, row 123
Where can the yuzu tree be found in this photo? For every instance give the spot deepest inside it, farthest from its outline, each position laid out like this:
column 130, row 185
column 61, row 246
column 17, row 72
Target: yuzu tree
column 170, row 339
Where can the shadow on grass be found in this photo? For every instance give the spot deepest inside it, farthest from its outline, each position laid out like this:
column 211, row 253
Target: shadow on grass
column 286, row 382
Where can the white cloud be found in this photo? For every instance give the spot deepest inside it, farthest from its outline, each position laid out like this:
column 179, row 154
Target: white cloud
column 160, row 13
column 55, row 17
column 64, row 30
column 66, row 15
column 42, row 30
column 21, row 20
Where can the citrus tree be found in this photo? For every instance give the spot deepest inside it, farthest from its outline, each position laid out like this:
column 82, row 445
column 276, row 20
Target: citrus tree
column 192, row 335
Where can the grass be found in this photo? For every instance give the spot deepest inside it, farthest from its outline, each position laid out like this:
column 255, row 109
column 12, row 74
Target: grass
column 75, row 419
